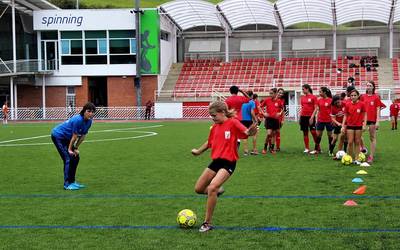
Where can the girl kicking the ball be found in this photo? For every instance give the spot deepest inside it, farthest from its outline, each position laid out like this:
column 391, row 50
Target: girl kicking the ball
column 224, row 153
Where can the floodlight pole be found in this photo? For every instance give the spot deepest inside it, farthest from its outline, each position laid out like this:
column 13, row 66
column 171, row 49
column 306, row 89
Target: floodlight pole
column 14, row 49
column 137, row 80
column 77, row 4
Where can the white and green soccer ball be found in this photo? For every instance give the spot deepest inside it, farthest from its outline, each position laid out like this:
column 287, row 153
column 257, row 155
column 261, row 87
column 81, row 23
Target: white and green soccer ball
column 340, row 154
column 186, row 218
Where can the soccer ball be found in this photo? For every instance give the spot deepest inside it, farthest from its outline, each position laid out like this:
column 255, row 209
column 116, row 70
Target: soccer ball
column 361, row 157
column 347, row 159
column 186, row 218
column 340, row 154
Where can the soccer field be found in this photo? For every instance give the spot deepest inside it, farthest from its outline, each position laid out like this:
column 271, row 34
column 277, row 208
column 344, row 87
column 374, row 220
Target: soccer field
column 140, row 175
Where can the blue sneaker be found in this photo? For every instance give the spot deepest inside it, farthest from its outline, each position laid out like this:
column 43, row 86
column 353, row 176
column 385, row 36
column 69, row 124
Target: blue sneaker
column 71, row 187
column 79, row 185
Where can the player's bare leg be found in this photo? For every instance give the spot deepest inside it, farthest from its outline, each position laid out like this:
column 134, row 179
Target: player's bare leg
column 213, row 188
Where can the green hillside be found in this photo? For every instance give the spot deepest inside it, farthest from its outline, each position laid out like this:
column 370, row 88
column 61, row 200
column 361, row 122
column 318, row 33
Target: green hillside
column 129, row 3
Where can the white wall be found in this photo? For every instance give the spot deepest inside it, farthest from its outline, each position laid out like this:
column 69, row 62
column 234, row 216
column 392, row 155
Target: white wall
column 308, row 43
column 168, row 110
column 167, row 50
column 97, row 70
column 363, row 42
column 60, row 80
column 255, row 45
column 103, row 19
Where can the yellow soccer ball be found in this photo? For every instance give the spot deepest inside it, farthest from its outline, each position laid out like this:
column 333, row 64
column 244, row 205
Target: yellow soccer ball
column 186, row 218
column 361, row 157
column 347, row 159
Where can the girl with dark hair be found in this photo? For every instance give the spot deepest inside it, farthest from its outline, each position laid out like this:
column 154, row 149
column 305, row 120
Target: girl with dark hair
column 394, row 113
column 274, row 109
column 324, row 120
column 354, row 123
column 224, row 154
column 281, row 96
column 308, row 103
column 373, row 105
column 337, row 114
column 67, row 137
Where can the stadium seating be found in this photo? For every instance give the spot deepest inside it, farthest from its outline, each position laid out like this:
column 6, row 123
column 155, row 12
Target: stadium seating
column 200, row 77
column 395, row 64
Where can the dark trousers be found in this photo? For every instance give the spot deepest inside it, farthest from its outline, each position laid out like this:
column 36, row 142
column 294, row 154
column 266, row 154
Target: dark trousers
column 70, row 161
column 147, row 114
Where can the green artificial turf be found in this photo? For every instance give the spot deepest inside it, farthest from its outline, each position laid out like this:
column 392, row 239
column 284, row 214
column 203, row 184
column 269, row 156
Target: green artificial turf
column 136, row 186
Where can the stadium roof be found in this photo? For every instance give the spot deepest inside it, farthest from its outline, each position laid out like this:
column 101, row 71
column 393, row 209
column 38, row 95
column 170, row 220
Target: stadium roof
column 241, row 12
column 27, row 6
column 191, row 13
column 284, row 13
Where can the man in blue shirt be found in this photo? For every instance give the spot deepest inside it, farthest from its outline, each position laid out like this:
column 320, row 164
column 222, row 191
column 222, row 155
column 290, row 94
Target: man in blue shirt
column 67, row 137
column 248, row 117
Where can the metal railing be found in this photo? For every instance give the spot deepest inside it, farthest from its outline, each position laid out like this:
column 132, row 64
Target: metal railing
column 329, row 53
column 25, row 66
column 292, row 113
column 275, row 54
column 63, row 113
column 176, row 95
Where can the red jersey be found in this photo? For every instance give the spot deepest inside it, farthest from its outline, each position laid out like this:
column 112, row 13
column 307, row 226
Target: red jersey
column 355, row 113
column 338, row 113
column 223, row 139
column 372, row 102
column 256, row 111
column 235, row 102
column 307, row 103
column 394, row 109
column 346, row 100
column 273, row 107
column 282, row 117
column 325, row 107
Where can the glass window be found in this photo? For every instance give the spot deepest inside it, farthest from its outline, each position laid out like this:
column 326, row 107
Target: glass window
column 49, row 35
column 122, row 33
column 133, row 46
column 164, row 35
column 119, row 46
column 71, row 34
column 91, row 46
column 96, row 59
column 72, row 60
column 76, row 47
column 65, row 47
column 95, row 34
column 123, row 59
column 102, row 46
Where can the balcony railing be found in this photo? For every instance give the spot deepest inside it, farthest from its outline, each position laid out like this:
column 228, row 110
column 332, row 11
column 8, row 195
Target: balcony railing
column 26, row 66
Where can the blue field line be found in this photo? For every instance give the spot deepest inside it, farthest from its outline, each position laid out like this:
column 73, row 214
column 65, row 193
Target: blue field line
column 265, row 229
column 184, row 196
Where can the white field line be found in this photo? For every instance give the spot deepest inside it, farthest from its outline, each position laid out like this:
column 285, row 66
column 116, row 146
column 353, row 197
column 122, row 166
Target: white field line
column 147, row 134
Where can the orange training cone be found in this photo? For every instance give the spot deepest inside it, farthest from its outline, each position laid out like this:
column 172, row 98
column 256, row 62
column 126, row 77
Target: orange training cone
column 360, row 190
column 350, row 203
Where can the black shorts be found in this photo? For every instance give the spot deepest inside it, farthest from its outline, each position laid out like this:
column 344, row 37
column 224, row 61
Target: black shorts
column 337, row 130
column 305, row 123
column 271, row 123
column 354, row 127
column 247, row 124
column 219, row 163
column 322, row 125
column 371, row 123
